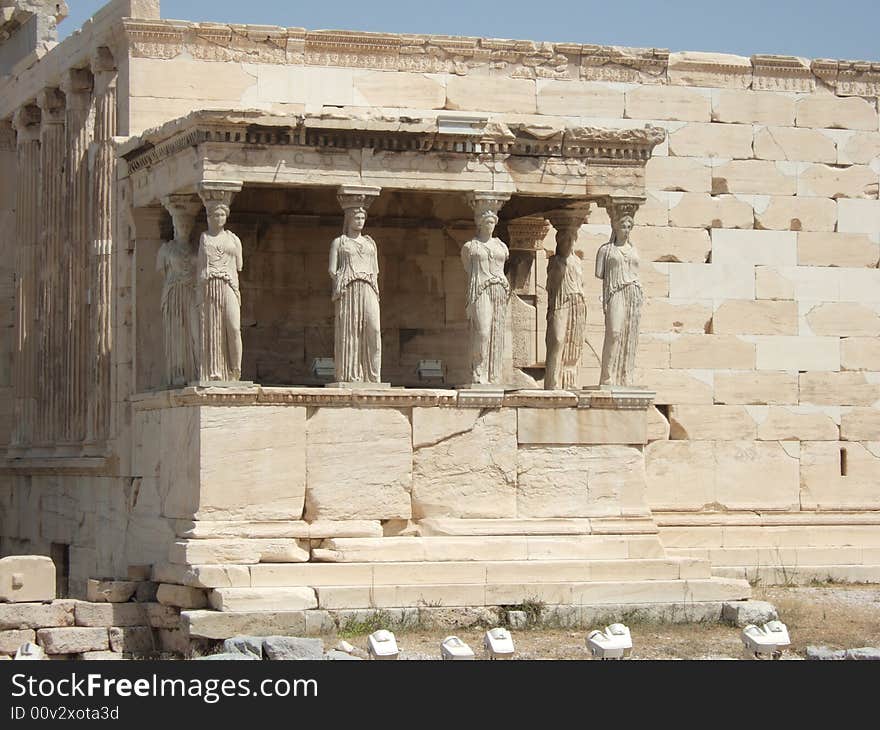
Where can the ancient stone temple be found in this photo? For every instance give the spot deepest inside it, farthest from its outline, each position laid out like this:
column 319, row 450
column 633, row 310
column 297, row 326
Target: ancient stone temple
column 316, row 321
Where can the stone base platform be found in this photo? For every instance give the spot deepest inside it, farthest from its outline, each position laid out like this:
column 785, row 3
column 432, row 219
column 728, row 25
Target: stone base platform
column 779, row 549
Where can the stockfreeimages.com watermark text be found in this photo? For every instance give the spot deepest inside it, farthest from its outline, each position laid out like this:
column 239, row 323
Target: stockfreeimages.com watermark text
column 96, row 685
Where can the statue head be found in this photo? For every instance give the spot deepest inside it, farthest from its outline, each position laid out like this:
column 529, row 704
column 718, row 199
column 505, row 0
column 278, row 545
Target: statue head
column 355, row 220
column 486, row 222
column 218, row 214
column 622, row 214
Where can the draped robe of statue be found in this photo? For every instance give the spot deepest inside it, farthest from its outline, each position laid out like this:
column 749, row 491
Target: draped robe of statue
column 488, row 293
column 566, row 321
column 220, row 260
column 179, row 315
column 358, row 337
column 618, row 267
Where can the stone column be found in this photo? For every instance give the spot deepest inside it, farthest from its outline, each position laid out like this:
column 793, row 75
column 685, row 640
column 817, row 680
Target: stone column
column 53, row 208
column 528, row 303
column 100, row 269
column 488, row 292
column 219, row 298
column 77, row 86
column 567, row 303
column 27, row 228
column 176, row 262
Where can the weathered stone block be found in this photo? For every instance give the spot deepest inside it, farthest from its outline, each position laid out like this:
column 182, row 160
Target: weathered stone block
column 858, row 216
column 680, row 474
column 73, row 640
column 823, row 110
column 859, row 148
column 753, row 177
column 579, row 481
column 860, row 353
column 683, row 174
column 701, row 210
column 574, row 98
column 263, row 599
column 253, row 463
column 664, row 102
column 797, row 423
column 36, row 615
column 843, row 319
column 380, row 88
column 838, row 389
column 731, row 141
column 110, row 614
column 782, row 213
column 678, row 386
column 138, row 640
column 860, row 424
column 756, row 388
column 699, row 68
column 797, row 353
column 472, row 93
column 856, row 181
column 288, row 648
column 712, row 352
column 11, row 641
column 711, row 423
column 360, row 465
column 839, row 475
column 209, row 552
column 27, row 579
column 219, row 625
column 588, row 426
column 759, row 317
column 666, row 315
column 656, row 243
column 798, row 145
column 756, row 475
column 486, row 443
column 743, row 613
column 181, row 596
column 753, row 107
column 110, row 591
column 712, row 281
column 837, row 249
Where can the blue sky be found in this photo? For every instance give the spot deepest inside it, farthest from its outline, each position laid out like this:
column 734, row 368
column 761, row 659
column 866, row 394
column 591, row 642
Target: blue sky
column 847, row 30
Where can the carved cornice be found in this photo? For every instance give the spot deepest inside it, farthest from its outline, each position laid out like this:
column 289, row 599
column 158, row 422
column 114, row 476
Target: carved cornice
column 858, row 78
column 632, row 65
column 387, row 398
column 403, row 134
column 782, row 73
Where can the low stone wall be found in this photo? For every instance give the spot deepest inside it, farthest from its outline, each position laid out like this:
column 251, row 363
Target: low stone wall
column 97, row 629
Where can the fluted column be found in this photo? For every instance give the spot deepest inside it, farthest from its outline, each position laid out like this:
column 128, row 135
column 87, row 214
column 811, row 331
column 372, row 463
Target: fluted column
column 53, row 148
column 101, row 279
column 77, row 86
column 27, row 229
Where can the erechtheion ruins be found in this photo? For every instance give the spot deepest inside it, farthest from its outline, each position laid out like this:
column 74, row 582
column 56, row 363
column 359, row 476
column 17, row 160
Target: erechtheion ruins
column 330, row 320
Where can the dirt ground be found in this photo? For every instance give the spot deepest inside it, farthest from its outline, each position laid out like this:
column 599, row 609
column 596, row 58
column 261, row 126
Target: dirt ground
column 836, row 616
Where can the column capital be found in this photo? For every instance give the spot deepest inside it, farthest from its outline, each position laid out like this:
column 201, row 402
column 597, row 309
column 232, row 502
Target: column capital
column 527, row 234
column 77, row 85
column 214, row 192
column 52, row 103
column 483, row 201
column 26, row 122
column 7, row 136
column 357, row 196
column 102, row 61
column 569, row 217
column 621, row 205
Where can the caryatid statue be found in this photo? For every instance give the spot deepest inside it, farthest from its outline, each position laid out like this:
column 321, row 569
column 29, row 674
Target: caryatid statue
column 617, row 264
column 219, row 296
column 566, row 304
column 488, row 290
column 354, row 273
column 177, row 262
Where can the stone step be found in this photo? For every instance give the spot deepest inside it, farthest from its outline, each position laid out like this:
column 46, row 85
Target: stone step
column 488, row 548
column 635, row 592
column 488, row 572
column 802, row 574
column 449, row 526
column 817, row 535
column 776, row 557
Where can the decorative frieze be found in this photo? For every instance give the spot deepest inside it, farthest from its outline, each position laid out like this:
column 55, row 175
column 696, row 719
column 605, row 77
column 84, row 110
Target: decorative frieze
column 858, row 78
column 782, row 73
column 628, row 65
